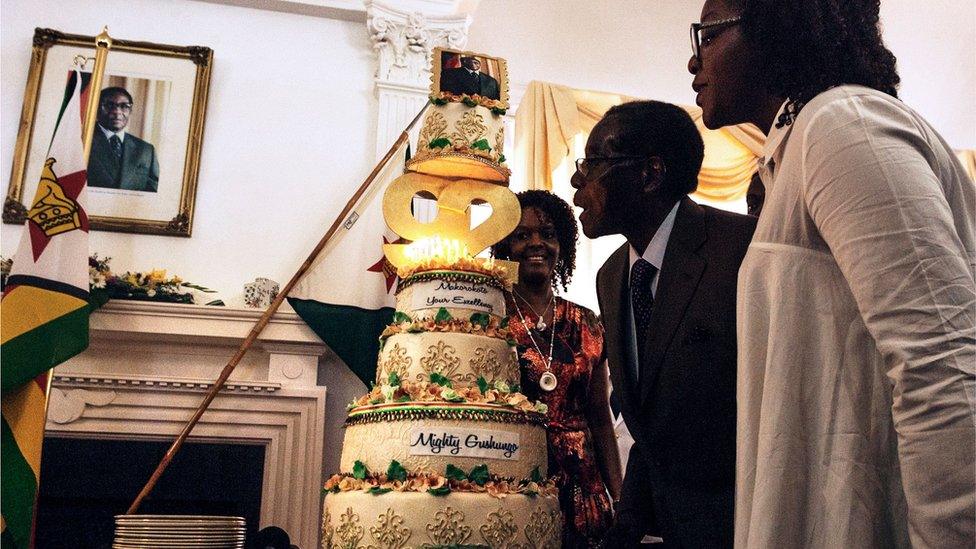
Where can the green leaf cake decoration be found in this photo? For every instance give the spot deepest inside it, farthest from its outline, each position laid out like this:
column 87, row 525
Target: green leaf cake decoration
column 439, row 379
column 480, row 319
column 536, row 475
column 455, row 473
column 439, row 143
column 396, row 471
column 443, row 315
column 399, row 317
column 479, row 475
column 359, row 470
column 481, row 145
column 442, row 491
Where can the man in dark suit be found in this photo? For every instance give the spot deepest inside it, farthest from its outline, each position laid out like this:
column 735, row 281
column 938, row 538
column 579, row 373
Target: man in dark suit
column 118, row 159
column 469, row 79
column 667, row 298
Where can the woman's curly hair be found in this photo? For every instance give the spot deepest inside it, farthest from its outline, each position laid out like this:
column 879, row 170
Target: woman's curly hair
column 557, row 211
column 810, row 46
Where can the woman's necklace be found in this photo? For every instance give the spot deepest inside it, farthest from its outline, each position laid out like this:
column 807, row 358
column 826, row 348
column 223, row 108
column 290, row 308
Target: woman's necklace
column 541, row 324
column 547, row 381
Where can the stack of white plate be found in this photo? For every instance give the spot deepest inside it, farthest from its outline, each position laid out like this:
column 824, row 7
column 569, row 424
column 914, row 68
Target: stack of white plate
column 178, row 531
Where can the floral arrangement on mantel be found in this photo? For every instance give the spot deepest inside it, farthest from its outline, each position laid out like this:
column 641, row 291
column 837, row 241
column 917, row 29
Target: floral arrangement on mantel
column 103, row 284
column 152, row 285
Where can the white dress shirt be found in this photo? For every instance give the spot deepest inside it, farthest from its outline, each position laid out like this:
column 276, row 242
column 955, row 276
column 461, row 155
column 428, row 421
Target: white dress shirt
column 855, row 325
column 109, row 133
column 654, row 253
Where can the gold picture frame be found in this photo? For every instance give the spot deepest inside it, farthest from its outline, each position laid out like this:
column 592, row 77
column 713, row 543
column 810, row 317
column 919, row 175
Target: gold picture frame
column 162, row 104
column 449, row 82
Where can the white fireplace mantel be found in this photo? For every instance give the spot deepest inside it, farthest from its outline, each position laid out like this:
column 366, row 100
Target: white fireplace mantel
column 149, row 365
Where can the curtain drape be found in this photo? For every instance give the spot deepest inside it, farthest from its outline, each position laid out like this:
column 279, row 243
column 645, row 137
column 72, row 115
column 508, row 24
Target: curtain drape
column 968, row 159
column 552, row 122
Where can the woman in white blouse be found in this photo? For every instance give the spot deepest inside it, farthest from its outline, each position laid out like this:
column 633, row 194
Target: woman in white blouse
column 856, row 329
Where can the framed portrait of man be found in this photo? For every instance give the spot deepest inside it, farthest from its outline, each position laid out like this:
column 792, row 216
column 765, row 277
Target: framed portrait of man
column 463, row 75
column 146, row 143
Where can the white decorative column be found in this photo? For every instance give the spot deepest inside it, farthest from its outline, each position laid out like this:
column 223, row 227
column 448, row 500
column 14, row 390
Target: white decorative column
column 404, row 35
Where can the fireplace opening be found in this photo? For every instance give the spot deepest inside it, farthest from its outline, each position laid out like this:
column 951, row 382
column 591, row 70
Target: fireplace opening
column 85, row 483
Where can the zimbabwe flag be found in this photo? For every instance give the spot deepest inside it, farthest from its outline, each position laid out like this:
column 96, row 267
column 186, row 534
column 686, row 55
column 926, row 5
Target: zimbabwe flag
column 44, row 310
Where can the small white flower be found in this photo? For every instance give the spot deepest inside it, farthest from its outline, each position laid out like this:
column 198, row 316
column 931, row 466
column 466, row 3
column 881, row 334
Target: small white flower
column 151, row 293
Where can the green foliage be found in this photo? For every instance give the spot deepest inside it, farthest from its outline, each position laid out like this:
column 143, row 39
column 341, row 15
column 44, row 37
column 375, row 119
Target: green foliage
column 442, row 491
column 376, row 490
column 455, row 473
column 469, row 102
column 440, row 380
column 443, row 315
column 499, row 111
column 504, row 322
column 399, row 317
column 483, row 384
column 359, row 470
column 394, row 379
column 536, row 476
column 481, row 145
column 439, row 143
column 479, row 475
column 396, row 471
column 501, row 159
column 481, row 319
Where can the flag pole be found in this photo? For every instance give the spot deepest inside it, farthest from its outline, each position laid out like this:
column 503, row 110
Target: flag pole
column 103, row 42
column 266, row 317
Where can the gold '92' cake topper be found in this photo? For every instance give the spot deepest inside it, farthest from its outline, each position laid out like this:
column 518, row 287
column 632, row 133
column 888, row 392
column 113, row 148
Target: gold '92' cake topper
column 452, row 224
column 470, row 78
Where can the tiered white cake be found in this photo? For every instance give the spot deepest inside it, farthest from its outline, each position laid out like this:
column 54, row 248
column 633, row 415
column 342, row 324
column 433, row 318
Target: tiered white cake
column 444, row 451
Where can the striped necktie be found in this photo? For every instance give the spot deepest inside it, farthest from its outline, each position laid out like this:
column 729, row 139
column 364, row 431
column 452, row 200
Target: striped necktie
column 116, row 144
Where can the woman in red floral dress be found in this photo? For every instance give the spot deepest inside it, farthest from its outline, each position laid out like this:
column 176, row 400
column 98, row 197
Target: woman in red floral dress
column 560, row 347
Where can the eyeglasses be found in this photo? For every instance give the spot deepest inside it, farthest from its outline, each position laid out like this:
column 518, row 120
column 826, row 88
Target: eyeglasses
column 585, row 165
column 108, row 106
column 699, row 39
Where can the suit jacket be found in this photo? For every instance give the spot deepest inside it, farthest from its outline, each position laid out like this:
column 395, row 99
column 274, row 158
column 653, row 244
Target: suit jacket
column 138, row 171
column 679, row 481
column 459, row 80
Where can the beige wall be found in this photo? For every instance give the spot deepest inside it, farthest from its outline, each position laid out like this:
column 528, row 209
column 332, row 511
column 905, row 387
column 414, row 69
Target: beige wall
column 641, row 48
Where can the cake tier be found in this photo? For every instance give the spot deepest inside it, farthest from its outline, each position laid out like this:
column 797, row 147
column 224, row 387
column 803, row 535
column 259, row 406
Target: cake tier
column 461, row 358
column 427, row 437
column 422, row 295
column 404, row 519
column 457, row 140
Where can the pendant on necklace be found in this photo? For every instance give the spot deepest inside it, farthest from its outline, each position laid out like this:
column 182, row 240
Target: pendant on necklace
column 541, row 325
column 548, row 381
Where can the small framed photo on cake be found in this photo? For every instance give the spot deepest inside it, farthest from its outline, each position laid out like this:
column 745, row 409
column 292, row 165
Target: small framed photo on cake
column 469, row 77
column 145, row 154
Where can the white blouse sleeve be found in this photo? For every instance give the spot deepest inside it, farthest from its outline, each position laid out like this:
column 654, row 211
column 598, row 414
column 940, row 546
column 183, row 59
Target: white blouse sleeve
column 873, row 190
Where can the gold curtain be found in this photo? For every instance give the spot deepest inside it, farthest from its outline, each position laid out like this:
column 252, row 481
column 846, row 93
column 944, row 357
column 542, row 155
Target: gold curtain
column 968, row 159
column 553, row 121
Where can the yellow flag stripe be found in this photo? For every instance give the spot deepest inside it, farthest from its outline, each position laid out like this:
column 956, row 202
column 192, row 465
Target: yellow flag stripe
column 27, row 307
column 23, row 408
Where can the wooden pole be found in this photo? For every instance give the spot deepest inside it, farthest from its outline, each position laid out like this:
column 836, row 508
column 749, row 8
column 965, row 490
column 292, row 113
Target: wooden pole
column 266, row 317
